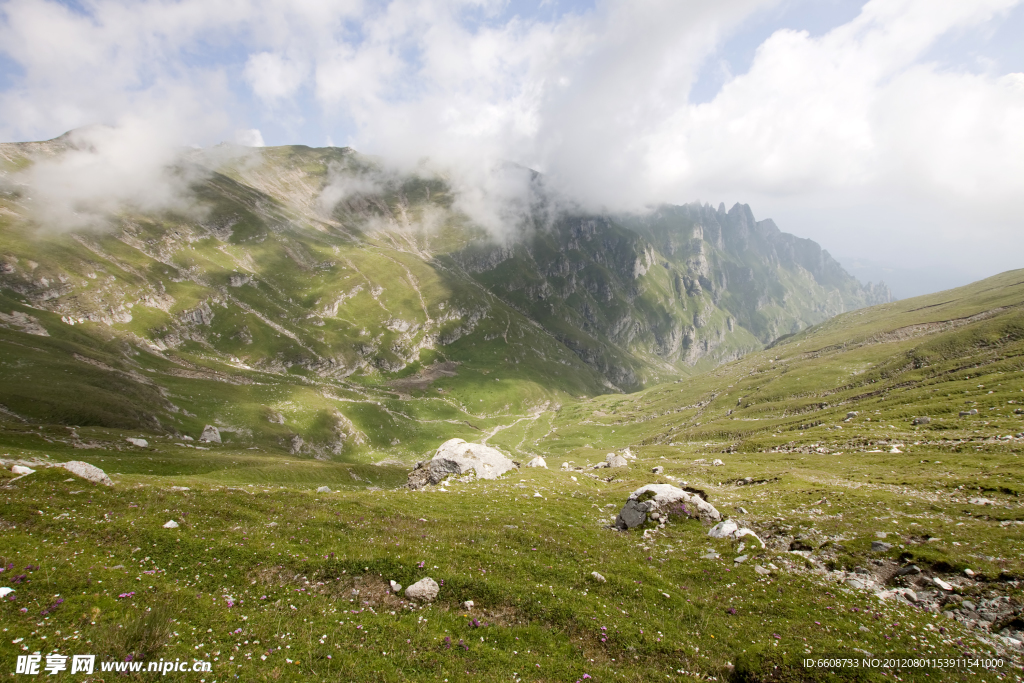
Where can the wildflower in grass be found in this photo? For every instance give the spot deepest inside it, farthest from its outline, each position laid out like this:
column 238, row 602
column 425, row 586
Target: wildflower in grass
column 126, row 595
column 463, row 645
column 448, row 642
column 731, row 610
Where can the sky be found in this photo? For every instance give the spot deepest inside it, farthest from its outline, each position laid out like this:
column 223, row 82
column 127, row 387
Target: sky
column 890, row 131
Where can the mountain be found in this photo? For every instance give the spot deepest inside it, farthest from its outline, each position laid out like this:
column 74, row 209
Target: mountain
column 313, row 300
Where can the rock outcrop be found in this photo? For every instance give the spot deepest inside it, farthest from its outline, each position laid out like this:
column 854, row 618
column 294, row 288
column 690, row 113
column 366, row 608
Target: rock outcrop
column 458, row 457
column 210, row 434
column 424, row 590
column 88, row 472
column 663, row 500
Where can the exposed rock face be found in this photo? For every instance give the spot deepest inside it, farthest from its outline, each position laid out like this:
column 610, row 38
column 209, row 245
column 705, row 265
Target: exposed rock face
column 210, row 434
column 424, row 590
column 459, row 457
column 88, row 472
column 538, row 462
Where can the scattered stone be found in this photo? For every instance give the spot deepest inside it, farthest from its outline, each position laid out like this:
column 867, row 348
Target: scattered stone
column 424, row 590
column 537, row 495
column 324, row 489
column 761, row 570
column 880, row 547
column 395, row 586
column 969, row 573
column 666, row 595
column 458, row 457
column 210, row 434
column 942, row 584
column 468, row 605
column 717, row 463
column 658, row 470
column 88, row 472
column 864, row 629
column 854, row 582
column 881, row 534
column 909, row 570
column 968, row 413
column 295, row 444
column 597, row 577
column 567, row 465
column 171, row 525
column 538, row 462
column 852, row 414
column 742, row 510
column 613, row 460
column 712, row 555
column 921, row 420
column 5, row 591
column 21, row 469
column 895, row 450
column 981, row 501
column 187, row 438
column 141, row 443
column 741, row 559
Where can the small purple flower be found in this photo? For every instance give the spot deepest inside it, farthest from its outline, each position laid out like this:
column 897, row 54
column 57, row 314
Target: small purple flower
column 776, row 636
column 731, row 610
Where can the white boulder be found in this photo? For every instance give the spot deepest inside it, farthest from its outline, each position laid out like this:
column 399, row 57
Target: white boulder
column 5, row 591
column 210, row 434
column 667, row 496
column 424, row 590
column 458, row 457
column 538, row 462
column 21, row 469
column 324, row 489
column 730, row 529
column 87, row 472
column 141, row 443
column 171, row 525
column 613, row 460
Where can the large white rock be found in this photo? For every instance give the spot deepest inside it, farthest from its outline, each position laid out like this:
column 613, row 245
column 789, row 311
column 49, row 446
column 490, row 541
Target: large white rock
column 21, row 469
column 667, row 496
column 88, row 472
column 210, row 434
column 538, row 462
column 171, row 525
column 613, row 460
column 324, row 489
column 458, row 457
column 730, row 529
column 141, row 443
column 424, row 590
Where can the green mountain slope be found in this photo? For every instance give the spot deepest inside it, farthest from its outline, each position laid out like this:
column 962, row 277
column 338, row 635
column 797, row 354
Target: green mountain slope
column 311, row 300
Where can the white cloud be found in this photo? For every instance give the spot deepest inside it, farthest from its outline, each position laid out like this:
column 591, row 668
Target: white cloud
column 842, row 136
column 251, row 137
column 274, row 77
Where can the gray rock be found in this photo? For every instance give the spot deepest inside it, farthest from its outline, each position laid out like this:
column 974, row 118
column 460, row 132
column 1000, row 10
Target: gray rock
column 942, row 584
column 981, row 501
column 852, row 414
column 87, row 472
column 668, row 497
column 742, row 510
column 395, row 586
column 613, row 460
column 880, row 547
column 22, row 470
column 856, row 583
column 324, row 489
column 141, row 443
column 761, row 570
column 724, row 529
column 171, row 525
column 741, row 559
column 295, row 444
column 921, row 420
column 717, row 463
column 658, row 470
column 210, row 434
column 881, row 534
column 458, row 457
column 968, row 605
column 632, row 515
column 538, row 462
column 909, row 570
column 710, row 556
column 468, row 605
column 597, row 577
column 424, row 590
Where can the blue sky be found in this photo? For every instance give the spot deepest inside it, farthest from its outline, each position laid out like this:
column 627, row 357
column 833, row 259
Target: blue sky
column 891, row 132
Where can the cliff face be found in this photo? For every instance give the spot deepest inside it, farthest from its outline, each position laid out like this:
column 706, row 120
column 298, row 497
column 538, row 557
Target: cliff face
column 641, row 298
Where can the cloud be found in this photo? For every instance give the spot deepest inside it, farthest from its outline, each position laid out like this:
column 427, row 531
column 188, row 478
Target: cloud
column 108, row 170
column 843, row 136
column 251, row 137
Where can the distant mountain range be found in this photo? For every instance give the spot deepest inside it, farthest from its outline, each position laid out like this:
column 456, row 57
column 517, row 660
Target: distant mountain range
column 320, row 266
